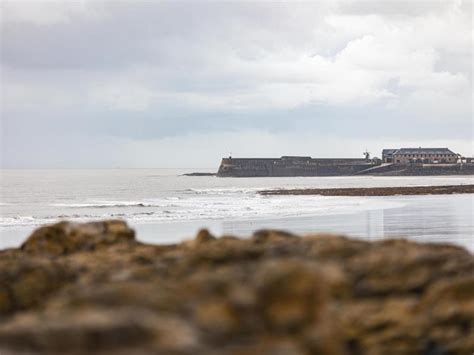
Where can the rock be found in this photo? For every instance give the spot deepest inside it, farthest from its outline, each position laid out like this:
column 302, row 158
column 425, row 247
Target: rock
column 66, row 237
column 204, row 236
column 26, row 283
column 383, row 326
column 413, row 264
column 291, row 294
column 449, row 306
column 265, row 235
column 92, row 289
column 217, row 318
column 97, row 331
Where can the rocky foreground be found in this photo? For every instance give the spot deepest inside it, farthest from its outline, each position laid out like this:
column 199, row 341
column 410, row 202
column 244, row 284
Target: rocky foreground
column 376, row 191
column 93, row 289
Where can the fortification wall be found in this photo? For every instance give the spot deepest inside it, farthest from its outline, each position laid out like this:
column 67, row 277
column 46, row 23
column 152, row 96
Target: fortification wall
column 245, row 167
column 306, row 166
column 290, row 166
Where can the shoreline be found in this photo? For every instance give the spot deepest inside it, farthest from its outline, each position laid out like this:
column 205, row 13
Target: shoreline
column 364, row 216
column 375, row 191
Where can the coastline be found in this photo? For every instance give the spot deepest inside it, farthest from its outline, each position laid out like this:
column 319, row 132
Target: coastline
column 165, row 207
column 375, row 191
column 423, row 218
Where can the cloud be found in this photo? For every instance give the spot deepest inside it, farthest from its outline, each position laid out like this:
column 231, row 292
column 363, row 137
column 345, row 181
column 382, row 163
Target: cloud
column 125, row 97
column 170, row 70
column 45, row 13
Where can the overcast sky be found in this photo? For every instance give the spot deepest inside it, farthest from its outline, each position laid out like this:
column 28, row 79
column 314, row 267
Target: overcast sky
column 182, row 84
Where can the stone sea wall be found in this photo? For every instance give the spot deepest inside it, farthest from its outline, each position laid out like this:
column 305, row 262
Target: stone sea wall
column 290, row 166
column 307, row 166
column 93, row 289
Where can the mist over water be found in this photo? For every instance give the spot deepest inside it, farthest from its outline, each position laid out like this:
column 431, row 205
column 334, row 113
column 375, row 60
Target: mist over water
column 164, row 206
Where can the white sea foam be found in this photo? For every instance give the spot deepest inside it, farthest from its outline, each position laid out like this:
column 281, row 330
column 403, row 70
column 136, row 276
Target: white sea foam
column 208, row 207
column 108, row 204
column 224, row 191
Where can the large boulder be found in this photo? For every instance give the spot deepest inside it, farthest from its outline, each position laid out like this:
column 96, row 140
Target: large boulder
column 92, row 289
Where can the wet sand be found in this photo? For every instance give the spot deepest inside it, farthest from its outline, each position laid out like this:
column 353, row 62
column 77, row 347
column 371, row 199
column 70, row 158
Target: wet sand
column 377, row 191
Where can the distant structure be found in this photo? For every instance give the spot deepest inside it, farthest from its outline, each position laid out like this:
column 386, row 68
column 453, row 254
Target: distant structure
column 367, row 155
column 387, row 155
column 419, row 155
column 292, row 166
column 395, row 162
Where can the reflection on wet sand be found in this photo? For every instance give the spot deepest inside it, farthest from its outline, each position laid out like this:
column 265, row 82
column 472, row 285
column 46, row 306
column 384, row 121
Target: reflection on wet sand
column 425, row 219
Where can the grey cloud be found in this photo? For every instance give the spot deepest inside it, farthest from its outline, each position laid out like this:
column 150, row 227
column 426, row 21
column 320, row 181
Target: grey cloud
column 184, row 33
column 147, row 72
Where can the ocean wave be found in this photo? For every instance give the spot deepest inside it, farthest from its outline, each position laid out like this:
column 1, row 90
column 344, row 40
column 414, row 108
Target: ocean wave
column 108, row 204
column 212, row 208
column 223, row 191
column 38, row 220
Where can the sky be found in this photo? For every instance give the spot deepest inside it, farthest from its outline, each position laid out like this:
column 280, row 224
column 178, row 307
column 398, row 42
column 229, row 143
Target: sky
column 106, row 84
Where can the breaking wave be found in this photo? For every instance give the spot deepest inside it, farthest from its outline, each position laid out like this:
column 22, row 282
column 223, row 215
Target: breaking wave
column 113, row 204
column 200, row 207
column 224, row 191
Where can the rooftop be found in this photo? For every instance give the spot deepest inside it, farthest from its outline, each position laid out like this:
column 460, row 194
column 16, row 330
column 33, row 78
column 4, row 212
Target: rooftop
column 424, row 151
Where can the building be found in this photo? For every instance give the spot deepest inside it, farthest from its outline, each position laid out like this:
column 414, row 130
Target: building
column 419, row 155
column 387, row 155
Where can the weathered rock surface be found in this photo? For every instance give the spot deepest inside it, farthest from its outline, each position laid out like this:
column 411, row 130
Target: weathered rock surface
column 93, row 289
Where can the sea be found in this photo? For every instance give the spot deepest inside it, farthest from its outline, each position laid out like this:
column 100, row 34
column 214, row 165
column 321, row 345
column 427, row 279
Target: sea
column 164, row 206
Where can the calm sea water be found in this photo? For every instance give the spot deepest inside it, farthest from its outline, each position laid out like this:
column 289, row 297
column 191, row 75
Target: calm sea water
column 165, row 207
